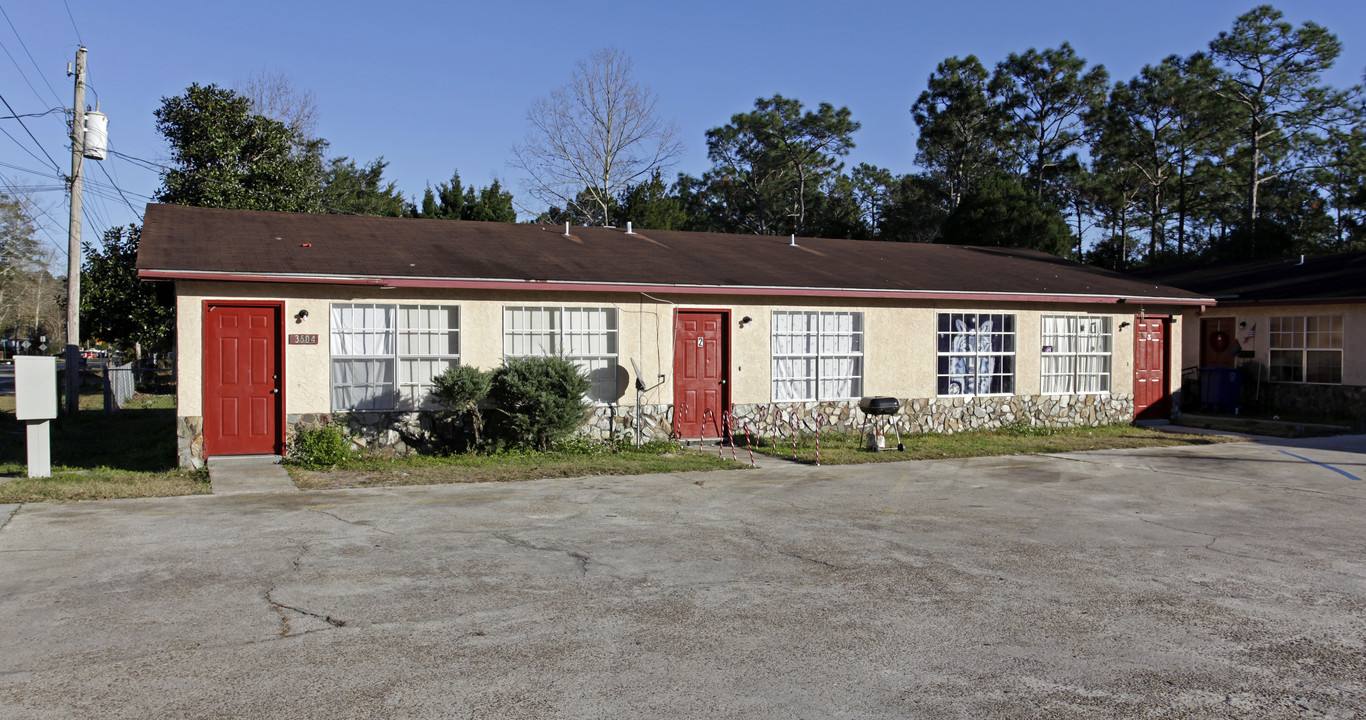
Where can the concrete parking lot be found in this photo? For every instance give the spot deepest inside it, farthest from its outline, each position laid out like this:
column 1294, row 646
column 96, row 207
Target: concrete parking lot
column 1211, row 581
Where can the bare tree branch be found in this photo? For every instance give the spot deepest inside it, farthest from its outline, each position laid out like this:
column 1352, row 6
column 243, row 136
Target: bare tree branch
column 594, row 137
column 272, row 94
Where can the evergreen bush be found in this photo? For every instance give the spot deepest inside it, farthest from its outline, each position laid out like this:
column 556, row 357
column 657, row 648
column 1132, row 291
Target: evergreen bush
column 538, row 401
column 459, row 389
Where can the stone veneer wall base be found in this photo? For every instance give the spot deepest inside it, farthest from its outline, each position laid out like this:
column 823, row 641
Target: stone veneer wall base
column 395, row 434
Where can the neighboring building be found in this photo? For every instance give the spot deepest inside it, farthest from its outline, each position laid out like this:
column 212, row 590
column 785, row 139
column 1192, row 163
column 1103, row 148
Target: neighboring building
column 289, row 319
column 1296, row 326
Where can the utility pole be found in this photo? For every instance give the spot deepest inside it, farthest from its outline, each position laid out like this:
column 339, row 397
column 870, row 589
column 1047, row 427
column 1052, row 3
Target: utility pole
column 73, row 256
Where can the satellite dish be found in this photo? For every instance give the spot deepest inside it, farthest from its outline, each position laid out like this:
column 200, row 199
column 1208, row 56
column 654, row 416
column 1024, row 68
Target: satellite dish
column 640, row 383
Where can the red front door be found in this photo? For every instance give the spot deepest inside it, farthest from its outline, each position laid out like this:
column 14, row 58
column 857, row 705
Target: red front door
column 1151, row 400
column 700, row 373
column 241, row 379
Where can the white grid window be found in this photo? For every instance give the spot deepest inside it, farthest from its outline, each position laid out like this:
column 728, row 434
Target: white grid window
column 976, row 354
column 384, row 357
column 817, row 355
column 1076, row 354
column 586, row 336
column 1306, row 349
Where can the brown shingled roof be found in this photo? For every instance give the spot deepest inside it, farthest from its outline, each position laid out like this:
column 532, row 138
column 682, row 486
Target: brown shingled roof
column 1315, row 277
column 186, row 242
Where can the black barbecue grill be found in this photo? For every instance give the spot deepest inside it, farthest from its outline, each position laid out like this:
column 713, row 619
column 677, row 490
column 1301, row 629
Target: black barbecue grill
column 879, row 405
column 876, row 410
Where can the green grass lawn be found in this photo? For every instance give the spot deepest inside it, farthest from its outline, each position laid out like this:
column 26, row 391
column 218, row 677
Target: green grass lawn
column 505, row 467
column 849, row 448
column 127, row 454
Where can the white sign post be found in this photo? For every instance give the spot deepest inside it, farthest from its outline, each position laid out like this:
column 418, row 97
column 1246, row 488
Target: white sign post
column 35, row 403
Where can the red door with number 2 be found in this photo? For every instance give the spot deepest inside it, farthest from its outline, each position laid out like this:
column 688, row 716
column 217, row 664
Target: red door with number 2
column 700, row 373
column 1151, row 400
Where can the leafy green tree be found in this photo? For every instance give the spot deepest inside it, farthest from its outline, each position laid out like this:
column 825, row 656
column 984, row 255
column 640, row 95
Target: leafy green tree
column 961, row 130
column 447, row 202
column 1157, row 125
column 454, row 201
column 835, row 211
column 915, row 210
column 1275, row 79
column 1000, row 212
column 1116, row 188
column 224, row 156
column 491, row 204
column 652, row 204
column 1045, row 96
column 1343, row 183
column 1293, row 220
column 116, row 306
column 770, row 163
column 352, row 190
column 702, row 204
column 21, row 267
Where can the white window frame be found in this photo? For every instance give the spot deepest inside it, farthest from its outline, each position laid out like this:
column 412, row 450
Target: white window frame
column 973, row 358
column 585, row 335
column 1083, row 345
column 411, row 355
column 1316, row 334
column 820, row 345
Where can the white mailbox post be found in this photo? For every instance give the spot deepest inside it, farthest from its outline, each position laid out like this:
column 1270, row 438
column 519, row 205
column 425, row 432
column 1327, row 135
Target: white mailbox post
column 35, row 403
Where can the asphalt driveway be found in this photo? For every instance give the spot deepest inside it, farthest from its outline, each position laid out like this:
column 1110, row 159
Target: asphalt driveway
column 1211, row 581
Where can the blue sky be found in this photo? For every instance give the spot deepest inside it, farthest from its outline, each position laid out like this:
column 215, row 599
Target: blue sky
column 435, row 86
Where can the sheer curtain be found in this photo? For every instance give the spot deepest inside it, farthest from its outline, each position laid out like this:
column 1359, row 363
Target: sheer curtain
column 817, row 355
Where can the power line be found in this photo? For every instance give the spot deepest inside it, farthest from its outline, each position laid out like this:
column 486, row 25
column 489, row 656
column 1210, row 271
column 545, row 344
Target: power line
column 23, row 45
column 53, row 111
column 30, row 134
column 28, row 208
column 25, row 149
column 43, row 173
column 127, row 193
column 28, row 82
column 73, row 23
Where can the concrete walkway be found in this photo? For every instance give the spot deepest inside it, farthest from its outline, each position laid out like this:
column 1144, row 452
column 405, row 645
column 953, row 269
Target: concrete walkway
column 240, row 474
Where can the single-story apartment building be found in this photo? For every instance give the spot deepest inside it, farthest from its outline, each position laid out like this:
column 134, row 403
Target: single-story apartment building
column 286, row 320
column 1296, row 326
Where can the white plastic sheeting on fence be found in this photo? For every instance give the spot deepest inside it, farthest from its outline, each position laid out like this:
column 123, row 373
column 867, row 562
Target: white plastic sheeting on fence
column 119, row 385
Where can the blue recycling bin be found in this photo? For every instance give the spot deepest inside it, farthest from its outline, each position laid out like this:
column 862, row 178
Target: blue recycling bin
column 1219, row 387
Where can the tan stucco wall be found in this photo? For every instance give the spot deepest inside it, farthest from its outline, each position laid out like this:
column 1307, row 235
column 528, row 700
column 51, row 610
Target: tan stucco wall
column 899, row 344
column 1353, row 332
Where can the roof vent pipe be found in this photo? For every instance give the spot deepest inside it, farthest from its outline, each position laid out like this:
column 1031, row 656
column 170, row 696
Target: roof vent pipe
column 793, row 243
column 566, row 228
column 629, row 231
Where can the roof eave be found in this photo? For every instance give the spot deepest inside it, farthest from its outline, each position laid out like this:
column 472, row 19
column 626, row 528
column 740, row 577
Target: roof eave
column 579, row 286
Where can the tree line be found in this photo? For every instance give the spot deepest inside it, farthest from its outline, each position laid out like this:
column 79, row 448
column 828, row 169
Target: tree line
column 1240, row 150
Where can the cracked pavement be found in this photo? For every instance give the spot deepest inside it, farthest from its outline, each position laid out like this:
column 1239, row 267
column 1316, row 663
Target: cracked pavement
column 1209, row 581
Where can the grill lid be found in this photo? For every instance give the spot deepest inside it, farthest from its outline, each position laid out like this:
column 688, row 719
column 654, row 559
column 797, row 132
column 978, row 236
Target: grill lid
column 879, row 405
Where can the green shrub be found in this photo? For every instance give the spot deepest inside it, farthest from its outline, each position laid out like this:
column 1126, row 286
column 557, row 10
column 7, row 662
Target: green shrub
column 459, row 389
column 321, row 448
column 538, row 401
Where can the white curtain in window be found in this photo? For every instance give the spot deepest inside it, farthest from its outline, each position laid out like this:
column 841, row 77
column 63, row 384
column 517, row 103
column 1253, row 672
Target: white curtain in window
column 362, row 330
column 362, row 384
